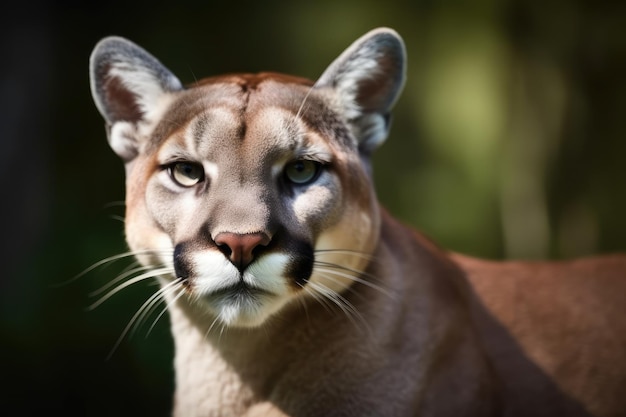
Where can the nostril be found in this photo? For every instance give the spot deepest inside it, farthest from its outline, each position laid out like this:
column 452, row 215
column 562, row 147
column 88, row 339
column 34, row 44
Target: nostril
column 239, row 248
column 224, row 248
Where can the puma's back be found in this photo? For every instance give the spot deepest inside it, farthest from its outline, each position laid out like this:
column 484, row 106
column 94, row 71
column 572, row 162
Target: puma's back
column 291, row 292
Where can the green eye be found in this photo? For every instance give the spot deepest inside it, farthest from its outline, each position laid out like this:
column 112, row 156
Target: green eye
column 186, row 174
column 302, row 171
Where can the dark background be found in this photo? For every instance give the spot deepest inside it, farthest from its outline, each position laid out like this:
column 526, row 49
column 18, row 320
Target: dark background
column 507, row 143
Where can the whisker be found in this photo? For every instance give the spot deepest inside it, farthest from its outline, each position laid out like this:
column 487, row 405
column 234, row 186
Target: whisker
column 167, row 305
column 351, row 308
column 137, row 314
column 119, row 203
column 301, row 108
column 109, row 260
column 104, row 261
column 129, row 272
column 121, row 277
column 352, row 275
column 318, row 297
column 330, row 295
column 142, row 277
column 346, row 306
column 215, row 320
column 355, row 273
column 147, row 307
column 222, row 328
column 130, row 266
column 304, row 100
column 359, row 254
column 303, row 303
column 119, row 218
column 193, row 75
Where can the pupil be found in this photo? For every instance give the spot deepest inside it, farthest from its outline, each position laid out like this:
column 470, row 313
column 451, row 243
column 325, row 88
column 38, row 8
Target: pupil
column 188, row 170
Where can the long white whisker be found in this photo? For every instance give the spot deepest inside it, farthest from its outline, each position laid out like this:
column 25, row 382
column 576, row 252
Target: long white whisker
column 304, row 100
column 106, row 261
column 354, row 272
column 348, row 308
column 363, row 255
column 167, row 305
column 94, row 266
column 142, row 277
column 302, row 104
column 119, row 278
column 151, row 303
column 302, row 301
column 222, row 328
column 133, row 319
column 320, row 298
column 336, row 298
column 131, row 266
column 119, row 203
column 337, row 270
column 118, row 218
column 215, row 320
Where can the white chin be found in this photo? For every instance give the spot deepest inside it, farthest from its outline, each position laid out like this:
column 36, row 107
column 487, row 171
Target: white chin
column 241, row 301
column 242, row 312
column 242, row 309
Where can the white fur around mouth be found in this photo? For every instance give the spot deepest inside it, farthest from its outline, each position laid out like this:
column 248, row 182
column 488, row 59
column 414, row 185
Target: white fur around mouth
column 237, row 299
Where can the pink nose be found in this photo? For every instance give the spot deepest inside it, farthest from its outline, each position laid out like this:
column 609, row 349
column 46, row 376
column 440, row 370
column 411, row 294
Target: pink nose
column 240, row 248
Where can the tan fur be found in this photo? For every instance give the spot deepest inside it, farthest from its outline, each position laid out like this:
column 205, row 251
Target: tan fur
column 335, row 309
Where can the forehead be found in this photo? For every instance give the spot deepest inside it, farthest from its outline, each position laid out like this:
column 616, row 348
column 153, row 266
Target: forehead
column 230, row 109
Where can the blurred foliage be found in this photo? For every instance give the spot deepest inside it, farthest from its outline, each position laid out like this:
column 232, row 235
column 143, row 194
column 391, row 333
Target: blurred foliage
column 507, row 142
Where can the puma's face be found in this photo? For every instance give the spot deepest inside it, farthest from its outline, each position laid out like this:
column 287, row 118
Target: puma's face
column 250, row 190
column 247, row 200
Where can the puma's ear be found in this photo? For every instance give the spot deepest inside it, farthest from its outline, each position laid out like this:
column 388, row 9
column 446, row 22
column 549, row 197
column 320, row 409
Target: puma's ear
column 128, row 86
column 368, row 77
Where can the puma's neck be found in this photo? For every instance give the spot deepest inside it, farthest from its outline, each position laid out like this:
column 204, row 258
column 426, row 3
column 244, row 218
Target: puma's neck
column 288, row 361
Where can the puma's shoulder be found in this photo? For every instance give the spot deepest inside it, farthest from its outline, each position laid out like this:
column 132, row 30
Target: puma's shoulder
column 556, row 321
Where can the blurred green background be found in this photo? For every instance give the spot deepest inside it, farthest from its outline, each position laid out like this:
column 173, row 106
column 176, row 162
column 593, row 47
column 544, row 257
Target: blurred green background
column 508, row 142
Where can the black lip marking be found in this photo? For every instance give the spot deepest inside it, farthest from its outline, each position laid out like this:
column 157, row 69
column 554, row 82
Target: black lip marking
column 181, row 266
column 301, row 266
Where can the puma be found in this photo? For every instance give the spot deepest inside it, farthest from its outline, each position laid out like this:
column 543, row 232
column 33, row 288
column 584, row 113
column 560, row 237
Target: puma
column 291, row 292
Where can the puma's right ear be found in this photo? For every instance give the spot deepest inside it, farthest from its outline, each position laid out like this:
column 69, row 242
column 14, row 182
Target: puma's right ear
column 368, row 78
column 128, row 86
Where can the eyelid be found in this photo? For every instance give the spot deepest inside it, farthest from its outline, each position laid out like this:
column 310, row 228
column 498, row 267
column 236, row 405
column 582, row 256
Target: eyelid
column 177, row 159
column 173, row 152
column 322, row 157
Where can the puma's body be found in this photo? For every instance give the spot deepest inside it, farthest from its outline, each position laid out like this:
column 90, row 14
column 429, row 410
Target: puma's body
column 554, row 331
column 291, row 292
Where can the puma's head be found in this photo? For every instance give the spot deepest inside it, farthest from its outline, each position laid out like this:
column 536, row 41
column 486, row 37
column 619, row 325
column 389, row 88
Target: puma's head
column 250, row 191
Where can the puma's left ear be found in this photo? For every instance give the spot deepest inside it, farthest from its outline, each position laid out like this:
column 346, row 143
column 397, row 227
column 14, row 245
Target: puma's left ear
column 368, row 78
column 129, row 87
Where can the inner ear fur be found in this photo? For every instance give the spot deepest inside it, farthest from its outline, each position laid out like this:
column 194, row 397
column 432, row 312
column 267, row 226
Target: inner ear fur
column 127, row 84
column 368, row 78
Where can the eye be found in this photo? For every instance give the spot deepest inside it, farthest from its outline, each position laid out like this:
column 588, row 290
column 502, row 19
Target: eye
column 302, row 171
column 186, row 174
